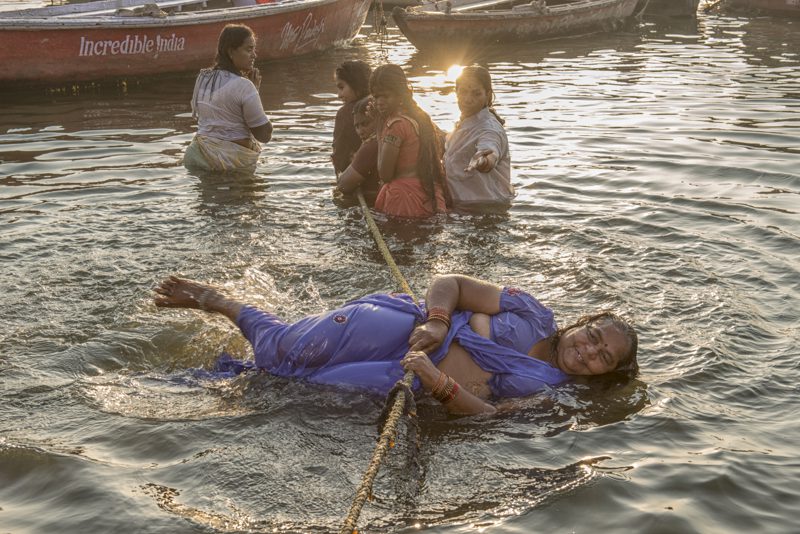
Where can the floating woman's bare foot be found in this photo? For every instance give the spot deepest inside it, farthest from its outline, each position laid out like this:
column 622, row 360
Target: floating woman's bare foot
column 175, row 292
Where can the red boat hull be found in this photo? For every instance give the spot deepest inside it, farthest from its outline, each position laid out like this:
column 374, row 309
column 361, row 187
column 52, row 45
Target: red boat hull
column 74, row 51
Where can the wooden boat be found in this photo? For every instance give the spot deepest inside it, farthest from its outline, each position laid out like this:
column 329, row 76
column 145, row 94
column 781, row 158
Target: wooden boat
column 115, row 39
column 455, row 24
column 777, row 7
column 670, row 8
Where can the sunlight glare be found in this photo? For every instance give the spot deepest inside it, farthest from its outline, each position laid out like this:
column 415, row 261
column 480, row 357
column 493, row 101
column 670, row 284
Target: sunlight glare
column 453, row 72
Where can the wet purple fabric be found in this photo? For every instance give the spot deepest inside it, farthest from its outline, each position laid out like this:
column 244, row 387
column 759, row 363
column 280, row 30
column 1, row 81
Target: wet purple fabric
column 360, row 344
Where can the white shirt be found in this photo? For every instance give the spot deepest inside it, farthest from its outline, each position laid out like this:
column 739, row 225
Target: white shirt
column 472, row 188
column 226, row 105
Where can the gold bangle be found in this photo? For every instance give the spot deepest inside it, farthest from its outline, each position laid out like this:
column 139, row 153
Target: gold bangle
column 453, row 393
column 439, row 382
column 446, row 391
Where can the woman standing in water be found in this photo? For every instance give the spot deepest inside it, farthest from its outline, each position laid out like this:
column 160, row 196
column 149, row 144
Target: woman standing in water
column 409, row 149
column 352, row 85
column 476, row 158
column 470, row 343
column 227, row 106
column 363, row 170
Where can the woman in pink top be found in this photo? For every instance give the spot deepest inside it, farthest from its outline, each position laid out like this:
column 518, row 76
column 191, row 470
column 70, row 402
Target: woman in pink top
column 409, row 150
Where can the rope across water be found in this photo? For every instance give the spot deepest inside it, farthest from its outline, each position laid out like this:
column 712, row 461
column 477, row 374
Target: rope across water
column 403, row 386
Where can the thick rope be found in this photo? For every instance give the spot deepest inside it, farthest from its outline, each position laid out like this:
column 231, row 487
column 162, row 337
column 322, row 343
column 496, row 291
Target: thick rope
column 403, row 386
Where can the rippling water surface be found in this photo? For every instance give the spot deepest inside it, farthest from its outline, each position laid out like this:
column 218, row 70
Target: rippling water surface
column 657, row 171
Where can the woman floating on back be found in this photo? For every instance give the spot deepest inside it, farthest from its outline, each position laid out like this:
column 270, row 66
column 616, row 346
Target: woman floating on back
column 470, row 343
column 476, row 158
column 409, row 149
column 227, row 106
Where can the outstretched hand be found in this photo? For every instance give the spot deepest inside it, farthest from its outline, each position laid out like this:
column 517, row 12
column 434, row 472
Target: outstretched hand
column 482, row 161
column 428, row 337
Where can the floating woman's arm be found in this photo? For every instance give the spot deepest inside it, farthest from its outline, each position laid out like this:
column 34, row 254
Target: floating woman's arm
column 459, row 292
column 449, row 293
column 456, row 399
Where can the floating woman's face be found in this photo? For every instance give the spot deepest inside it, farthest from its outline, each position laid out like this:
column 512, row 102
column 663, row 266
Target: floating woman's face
column 595, row 348
column 472, row 97
column 344, row 91
column 365, row 125
column 244, row 57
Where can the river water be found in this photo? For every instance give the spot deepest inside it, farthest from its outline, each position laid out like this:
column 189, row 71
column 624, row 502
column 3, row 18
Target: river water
column 657, row 174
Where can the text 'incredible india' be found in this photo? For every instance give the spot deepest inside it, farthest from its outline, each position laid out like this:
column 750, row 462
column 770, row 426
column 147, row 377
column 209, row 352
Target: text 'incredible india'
column 131, row 44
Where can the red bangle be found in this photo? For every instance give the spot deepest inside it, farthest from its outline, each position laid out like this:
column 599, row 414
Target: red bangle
column 452, row 394
column 439, row 314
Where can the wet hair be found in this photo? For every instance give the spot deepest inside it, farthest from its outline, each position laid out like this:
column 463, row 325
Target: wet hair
column 628, row 365
column 480, row 75
column 355, row 73
column 231, row 36
column 391, row 79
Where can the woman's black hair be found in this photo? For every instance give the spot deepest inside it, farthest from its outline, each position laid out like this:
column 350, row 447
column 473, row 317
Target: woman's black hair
column 628, row 365
column 355, row 73
column 481, row 75
column 231, row 36
column 391, row 79
column 364, row 106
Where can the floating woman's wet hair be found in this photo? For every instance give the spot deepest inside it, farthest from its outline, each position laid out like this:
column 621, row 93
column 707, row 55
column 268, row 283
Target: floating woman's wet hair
column 232, row 36
column 628, row 365
column 481, row 76
column 355, row 73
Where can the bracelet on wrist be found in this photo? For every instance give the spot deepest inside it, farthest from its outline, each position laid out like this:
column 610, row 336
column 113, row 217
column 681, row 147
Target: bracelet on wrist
column 439, row 314
column 446, row 392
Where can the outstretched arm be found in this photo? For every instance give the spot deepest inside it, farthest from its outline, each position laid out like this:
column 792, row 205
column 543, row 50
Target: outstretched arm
column 174, row 292
column 483, row 161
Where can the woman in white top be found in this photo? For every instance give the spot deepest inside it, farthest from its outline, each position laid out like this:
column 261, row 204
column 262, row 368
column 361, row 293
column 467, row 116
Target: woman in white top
column 476, row 159
column 227, row 106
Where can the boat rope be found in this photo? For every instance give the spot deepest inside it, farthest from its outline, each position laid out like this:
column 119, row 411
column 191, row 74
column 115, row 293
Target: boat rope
column 708, row 7
column 640, row 13
column 380, row 24
column 399, row 401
